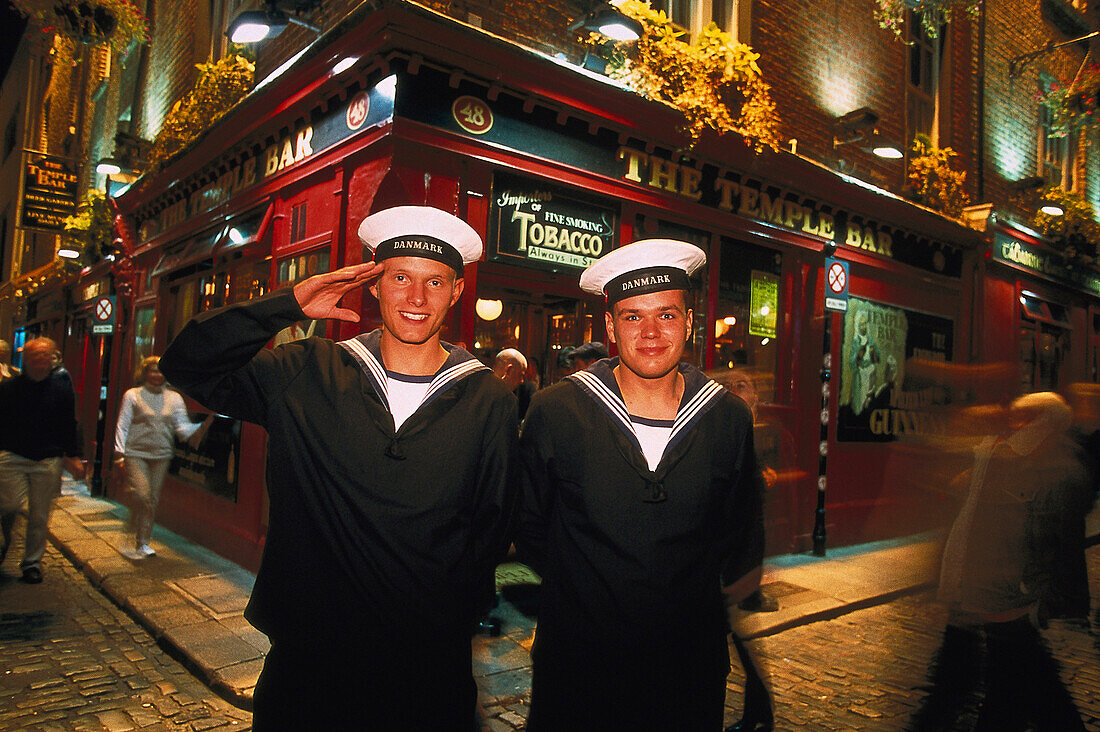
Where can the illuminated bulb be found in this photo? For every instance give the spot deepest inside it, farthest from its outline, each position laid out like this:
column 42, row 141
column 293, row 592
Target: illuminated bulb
column 730, row 320
column 488, row 309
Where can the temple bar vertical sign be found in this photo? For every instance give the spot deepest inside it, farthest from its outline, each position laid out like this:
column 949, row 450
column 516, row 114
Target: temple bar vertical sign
column 49, row 192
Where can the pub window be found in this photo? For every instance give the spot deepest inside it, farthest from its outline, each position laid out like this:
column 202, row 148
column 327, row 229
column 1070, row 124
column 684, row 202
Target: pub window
column 298, row 222
column 249, row 280
column 746, row 317
column 184, row 303
column 1056, row 153
column 922, row 89
column 731, row 16
column 300, row 266
column 1044, row 343
column 144, row 322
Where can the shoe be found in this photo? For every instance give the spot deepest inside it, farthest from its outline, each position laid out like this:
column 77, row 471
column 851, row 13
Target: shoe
column 758, row 602
column 144, row 550
column 745, row 726
column 32, row 575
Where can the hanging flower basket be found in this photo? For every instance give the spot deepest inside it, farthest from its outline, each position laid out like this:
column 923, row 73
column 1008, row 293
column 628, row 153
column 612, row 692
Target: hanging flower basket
column 115, row 22
column 933, row 14
column 1073, row 105
column 931, row 181
column 714, row 81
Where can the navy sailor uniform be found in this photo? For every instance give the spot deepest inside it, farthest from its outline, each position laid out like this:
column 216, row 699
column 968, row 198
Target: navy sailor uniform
column 382, row 544
column 632, row 625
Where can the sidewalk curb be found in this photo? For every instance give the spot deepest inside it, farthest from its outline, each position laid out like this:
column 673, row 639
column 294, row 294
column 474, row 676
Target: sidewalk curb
column 211, row 646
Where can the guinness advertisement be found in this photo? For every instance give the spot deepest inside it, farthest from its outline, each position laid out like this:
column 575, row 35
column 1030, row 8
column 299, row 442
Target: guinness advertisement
column 879, row 402
column 535, row 224
column 49, row 193
column 215, row 465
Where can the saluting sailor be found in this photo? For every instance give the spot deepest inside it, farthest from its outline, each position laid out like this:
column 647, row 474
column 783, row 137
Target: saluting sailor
column 639, row 504
column 389, row 462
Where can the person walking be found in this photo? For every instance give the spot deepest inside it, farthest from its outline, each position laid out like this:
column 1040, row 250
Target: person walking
column 639, row 506
column 389, row 472
column 37, row 438
column 7, row 371
column 150, row 415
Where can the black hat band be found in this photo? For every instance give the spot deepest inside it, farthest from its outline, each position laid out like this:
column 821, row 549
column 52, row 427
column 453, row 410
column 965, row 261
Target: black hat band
column 427, row 247
column 644, row 281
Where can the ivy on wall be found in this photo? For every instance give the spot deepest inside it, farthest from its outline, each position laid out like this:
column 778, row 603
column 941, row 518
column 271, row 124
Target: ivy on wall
column 714, row 81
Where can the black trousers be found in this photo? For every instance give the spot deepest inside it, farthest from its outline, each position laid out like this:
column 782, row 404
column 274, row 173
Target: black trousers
column 391, row 689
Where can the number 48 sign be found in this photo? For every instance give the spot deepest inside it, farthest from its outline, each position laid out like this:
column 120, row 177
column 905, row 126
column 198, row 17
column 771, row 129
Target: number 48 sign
column 472, row 115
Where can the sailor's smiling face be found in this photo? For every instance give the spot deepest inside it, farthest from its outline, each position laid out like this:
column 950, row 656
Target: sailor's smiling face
column 650, row 331
column 414, row 296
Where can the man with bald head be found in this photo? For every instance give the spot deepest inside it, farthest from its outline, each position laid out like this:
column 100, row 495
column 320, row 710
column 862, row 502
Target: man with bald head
column 510, row 366
column 37, row 437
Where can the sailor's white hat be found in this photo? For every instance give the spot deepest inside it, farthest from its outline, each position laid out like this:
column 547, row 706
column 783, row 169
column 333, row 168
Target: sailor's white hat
column 649, row 265
column 420, row 231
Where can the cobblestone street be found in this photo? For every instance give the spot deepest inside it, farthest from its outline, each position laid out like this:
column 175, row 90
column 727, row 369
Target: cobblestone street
column 71, row 660
column 871, row 669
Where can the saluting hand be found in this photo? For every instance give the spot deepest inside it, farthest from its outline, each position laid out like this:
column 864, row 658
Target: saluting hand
column 320, row 295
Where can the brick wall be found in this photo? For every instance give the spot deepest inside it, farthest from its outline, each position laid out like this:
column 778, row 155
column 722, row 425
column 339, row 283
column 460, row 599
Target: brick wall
column 178, row 31
column 1014, row 27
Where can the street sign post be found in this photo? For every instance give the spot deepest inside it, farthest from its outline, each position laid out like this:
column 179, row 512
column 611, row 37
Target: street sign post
column 836, row 285
column 103, row 315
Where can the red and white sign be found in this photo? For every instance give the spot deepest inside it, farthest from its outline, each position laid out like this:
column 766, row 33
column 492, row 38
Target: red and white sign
column 838, row 277
column 358, row 109
column 104, row 310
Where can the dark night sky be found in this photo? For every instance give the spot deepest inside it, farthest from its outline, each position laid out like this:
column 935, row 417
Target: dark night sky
column 11, row 27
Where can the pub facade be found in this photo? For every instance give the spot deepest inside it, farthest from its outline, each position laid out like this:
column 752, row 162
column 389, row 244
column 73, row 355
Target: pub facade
column 554, row 166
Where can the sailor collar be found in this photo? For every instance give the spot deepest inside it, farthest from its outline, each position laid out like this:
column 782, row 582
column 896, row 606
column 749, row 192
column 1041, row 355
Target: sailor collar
column 700, row 395
column 366, row 348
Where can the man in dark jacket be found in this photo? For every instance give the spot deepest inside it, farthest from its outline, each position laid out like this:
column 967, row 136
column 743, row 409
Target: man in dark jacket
column 37, row 438
column 639, row 505
column 388, row 471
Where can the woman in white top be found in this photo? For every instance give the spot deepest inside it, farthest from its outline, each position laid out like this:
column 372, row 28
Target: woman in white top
column 149, row 416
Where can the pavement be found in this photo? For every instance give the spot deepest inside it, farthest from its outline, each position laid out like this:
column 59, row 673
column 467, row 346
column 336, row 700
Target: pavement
column 192, row 601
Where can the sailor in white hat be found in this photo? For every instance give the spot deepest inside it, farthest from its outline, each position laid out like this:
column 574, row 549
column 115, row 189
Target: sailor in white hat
column 389, row 476
column 639, row 504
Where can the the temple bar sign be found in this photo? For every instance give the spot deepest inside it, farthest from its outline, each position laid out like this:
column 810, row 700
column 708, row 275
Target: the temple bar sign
column 543, row 226
column 49, row 194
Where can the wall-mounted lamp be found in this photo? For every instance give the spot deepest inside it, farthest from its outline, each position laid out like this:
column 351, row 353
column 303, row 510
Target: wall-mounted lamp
column 609, row 21
column 69, row 251
column 256, row 25
column 859, row 127
column 488, row 309
column 1051, row 208
column 108, row 166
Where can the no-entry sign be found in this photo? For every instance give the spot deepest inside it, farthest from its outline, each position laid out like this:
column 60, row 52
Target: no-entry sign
column 836, row 285
column 103, row 315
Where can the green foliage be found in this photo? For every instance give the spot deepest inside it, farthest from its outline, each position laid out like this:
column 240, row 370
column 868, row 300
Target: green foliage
column 1072, row 105
column 932, row 182
column 1076, row 230
column 91, row 228
column 219, row 86
column 715, row 81
column 116, row 22
column 890, row 14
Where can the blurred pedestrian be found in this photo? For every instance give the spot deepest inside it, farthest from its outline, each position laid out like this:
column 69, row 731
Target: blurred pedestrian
column 149, row 417
column 999, row 557
column 757, row 715
column 389, row 471
column 7, row 371
column 638, row 506
column 37, row 438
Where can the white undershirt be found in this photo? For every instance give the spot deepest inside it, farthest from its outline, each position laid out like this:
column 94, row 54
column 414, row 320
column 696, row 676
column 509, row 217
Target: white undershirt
column 653, row 434
column 405, row 394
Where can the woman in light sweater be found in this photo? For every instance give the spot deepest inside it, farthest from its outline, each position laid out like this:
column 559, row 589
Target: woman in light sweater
column 149, row 416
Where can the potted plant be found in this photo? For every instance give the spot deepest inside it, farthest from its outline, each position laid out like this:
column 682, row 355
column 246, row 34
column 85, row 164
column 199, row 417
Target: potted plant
column 219, row 86
column 1072, row 105
column 715, row 81
column 931, row 181
column 890, row 14
column 1076, row 231
column 116, row 22
column 90, row 229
